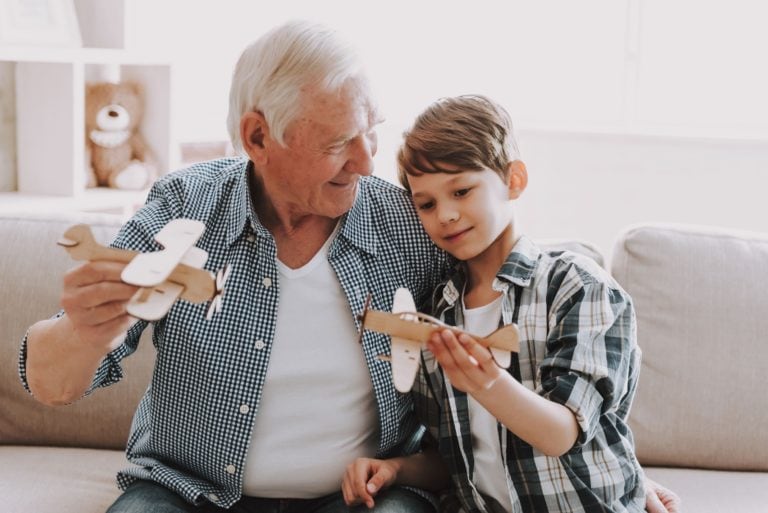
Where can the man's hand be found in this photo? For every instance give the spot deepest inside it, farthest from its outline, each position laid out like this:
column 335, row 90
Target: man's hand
column 365, row 477
column 64, row 353
column 94, row 299
column 659, row 499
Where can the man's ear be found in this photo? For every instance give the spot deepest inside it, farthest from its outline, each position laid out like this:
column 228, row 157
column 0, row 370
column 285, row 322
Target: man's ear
column 253, row 132
column 518, row 178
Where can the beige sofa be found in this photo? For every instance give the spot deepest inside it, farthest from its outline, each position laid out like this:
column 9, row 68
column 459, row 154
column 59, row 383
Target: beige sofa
column 701, row 299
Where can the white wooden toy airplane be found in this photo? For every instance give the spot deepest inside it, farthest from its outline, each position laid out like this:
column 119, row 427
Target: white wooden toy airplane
column 410, row 329
column 164, row 276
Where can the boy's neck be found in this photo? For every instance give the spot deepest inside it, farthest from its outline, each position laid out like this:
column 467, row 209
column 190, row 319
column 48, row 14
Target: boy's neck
column 482, row 270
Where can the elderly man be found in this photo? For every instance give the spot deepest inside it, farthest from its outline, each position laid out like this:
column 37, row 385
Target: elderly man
column 262, row 407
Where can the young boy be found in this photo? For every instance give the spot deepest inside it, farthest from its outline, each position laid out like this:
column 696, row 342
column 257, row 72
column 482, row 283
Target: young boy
column 550, row 432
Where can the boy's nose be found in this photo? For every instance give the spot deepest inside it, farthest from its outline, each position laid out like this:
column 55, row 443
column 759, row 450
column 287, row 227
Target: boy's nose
column 448, row 215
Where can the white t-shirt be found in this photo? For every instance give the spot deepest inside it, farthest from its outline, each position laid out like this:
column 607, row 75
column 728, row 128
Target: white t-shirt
column 490, row 476
column 317, row 411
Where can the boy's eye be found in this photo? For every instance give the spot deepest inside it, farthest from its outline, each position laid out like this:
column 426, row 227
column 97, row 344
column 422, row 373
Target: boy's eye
column 462, row 192
column 426, row 205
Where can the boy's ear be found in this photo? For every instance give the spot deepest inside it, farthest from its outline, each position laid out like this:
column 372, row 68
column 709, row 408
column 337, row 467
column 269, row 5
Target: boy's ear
column 518, row 178
column 253, row 132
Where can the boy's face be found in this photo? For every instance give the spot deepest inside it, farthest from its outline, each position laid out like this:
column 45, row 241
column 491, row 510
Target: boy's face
column 466, row 213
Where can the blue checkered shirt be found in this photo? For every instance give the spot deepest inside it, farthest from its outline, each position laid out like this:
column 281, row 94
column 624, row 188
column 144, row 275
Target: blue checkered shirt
column 577, row 348
column 189, row 429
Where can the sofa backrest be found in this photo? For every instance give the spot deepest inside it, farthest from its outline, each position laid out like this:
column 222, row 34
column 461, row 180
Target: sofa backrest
column 31, row 270
column 701, row 297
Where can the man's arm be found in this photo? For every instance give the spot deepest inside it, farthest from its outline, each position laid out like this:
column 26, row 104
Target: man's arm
column 63, row 354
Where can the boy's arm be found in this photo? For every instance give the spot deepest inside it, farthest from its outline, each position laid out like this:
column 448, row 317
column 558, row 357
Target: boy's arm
column 549, row 427
column 366, row 476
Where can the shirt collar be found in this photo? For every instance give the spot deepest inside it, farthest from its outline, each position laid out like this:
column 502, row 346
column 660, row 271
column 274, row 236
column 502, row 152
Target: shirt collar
column 239, row 209
column 518, row 269
column 357, row 225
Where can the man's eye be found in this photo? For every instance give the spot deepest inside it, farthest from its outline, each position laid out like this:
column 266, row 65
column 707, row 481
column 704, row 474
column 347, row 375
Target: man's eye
column 462, row 192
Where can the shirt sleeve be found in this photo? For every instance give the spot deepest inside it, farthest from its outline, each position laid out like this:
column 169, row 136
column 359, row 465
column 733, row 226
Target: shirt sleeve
column 590, row 343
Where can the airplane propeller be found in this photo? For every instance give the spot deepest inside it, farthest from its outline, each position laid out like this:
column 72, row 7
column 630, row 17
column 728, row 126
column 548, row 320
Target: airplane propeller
column 217, row 301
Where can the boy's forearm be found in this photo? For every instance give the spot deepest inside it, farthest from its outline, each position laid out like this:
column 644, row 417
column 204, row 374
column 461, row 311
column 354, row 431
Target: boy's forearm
column 548, row 426
column 424, row 470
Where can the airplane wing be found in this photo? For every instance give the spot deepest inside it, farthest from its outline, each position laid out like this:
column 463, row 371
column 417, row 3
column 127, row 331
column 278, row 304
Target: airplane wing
column 152, row 303
column 406, row 354
column 176, row 237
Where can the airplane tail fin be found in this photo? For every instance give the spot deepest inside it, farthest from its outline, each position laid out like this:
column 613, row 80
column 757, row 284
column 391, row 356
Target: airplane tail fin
column 506, row 338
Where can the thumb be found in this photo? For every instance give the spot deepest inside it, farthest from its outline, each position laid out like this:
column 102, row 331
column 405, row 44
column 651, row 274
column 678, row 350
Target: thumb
column 378, row 480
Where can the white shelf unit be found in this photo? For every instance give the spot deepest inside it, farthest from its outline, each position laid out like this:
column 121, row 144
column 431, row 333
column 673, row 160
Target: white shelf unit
column 50, row 105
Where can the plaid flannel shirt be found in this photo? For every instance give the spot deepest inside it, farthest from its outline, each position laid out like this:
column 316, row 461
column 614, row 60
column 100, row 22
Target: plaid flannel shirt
column 577, row 348
column 191, row 430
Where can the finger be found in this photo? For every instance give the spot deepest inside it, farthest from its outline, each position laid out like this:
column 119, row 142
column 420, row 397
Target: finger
column 652, row 502
column 460, row 354
column 445, row 358
column 468, row 355
column 382, row 478
column 346, row 492
column 361, row 470
column 93, row 272
column 96, row 315
column 481, row 354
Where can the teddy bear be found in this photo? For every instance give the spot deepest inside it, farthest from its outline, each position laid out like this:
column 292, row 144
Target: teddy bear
column 116, row 154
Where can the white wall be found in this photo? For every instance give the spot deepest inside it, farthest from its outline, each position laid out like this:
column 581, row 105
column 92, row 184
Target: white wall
column 627, row 110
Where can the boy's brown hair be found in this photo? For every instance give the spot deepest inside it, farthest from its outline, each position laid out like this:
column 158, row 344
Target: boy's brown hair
column 465, row 133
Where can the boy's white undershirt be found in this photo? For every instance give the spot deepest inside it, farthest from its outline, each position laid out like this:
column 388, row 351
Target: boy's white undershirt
column 317, row 411
column 490, row 476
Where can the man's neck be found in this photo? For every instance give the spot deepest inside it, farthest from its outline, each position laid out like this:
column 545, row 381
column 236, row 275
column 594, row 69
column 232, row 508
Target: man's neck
column 298, row 235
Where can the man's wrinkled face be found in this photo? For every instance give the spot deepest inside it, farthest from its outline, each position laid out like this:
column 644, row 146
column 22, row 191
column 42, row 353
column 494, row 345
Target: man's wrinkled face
column 328, row 148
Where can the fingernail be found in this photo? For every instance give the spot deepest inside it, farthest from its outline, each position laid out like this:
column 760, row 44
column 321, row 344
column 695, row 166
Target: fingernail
column 371, row 488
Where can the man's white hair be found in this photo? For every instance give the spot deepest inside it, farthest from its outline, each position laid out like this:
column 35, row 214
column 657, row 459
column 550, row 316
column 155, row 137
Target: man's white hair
column 272, row 70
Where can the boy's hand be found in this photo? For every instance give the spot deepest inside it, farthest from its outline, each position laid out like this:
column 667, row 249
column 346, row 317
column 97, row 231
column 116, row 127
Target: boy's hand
column 365, row 477
column 469, row 366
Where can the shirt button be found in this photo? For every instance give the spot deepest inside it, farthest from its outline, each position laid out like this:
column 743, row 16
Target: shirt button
column 213, row 497
column 251, row 237
column 267, row 282
column 231, row 469
column 260, row 344
column 244, row 408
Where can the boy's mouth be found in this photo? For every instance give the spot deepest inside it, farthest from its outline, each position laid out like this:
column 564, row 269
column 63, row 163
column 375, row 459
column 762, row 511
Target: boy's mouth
column 453, row 237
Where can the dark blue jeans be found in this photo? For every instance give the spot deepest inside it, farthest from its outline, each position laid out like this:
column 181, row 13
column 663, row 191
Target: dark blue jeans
column 150, row 497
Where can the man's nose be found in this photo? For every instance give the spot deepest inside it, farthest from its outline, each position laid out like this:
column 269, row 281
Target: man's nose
column 361, row 155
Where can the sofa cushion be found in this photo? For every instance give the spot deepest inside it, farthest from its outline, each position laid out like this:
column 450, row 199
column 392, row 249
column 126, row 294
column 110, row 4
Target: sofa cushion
column 58, row 480
column 715, row 491
column 31, row 270
column 701, row 297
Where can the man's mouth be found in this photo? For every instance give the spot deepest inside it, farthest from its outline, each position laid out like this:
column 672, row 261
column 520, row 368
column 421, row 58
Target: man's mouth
column 342, row 185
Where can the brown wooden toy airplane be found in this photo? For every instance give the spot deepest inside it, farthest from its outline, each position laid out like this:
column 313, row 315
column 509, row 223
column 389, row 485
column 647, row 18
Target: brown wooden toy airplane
column 164, row 276
column 410, row 329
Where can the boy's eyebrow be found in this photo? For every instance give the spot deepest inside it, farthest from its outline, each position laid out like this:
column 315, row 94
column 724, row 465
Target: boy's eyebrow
column 450, row 182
